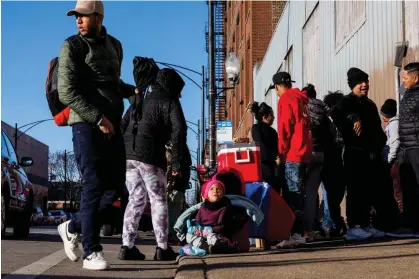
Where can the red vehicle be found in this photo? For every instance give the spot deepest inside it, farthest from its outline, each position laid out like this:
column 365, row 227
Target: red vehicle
column 16, row 190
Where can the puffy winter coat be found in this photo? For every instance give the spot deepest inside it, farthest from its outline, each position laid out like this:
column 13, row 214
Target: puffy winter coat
column 94, row 90
column 350, row 110
column 409, row 119
column 162, row 121
column 320, row 124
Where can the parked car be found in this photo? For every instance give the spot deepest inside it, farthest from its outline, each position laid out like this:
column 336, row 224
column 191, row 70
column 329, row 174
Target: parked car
column 16, row 190
column 58, row 215
column 37, row 216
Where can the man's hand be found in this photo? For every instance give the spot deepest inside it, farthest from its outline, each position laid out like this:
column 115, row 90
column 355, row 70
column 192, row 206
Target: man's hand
column 106, row 126
column 358, row 127
column 137, row 91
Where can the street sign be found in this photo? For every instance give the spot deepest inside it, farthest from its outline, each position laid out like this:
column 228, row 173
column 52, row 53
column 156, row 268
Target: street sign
column 224, row 132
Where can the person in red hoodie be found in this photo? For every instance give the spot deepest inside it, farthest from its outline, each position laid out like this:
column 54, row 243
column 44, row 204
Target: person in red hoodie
column 295, row 147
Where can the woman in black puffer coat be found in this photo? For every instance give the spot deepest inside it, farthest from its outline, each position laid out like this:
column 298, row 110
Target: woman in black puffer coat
column 162, row 121
column 321, row 136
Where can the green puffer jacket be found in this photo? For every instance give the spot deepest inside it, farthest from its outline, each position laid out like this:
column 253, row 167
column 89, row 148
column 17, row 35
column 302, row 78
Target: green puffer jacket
column 93, row 89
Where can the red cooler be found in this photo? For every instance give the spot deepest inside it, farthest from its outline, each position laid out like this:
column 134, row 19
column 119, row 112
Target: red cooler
column 244, row 157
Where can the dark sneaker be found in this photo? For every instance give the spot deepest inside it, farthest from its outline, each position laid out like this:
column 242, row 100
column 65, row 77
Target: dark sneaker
column 220, row 247
column 165, row 255
column 335, row 233
column 133, row 254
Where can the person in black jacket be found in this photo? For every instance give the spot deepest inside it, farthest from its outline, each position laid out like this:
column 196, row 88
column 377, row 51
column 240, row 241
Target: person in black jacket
column 267, row 138
column 321, row 136
column 409, row 145
column 162, row 120
column 332, row 174
column 359, row 123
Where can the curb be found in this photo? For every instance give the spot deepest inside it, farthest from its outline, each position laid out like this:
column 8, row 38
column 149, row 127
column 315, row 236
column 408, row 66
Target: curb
column 191, row 267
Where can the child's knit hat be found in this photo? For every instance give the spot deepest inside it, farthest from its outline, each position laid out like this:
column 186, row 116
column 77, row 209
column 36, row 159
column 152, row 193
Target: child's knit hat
column 207, row 186
column 389, row 108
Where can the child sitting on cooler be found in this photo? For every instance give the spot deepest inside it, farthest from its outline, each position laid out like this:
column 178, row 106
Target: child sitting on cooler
column 211, row 230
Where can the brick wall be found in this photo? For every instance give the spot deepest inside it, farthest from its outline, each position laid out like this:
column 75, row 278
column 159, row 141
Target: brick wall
column 248, row 30
column 277, row 9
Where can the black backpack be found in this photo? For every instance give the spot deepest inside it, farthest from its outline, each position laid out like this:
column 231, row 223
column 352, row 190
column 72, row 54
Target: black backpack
column 59, row 111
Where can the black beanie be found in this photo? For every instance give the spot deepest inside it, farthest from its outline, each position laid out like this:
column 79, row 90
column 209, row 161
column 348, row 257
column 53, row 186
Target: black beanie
column 389, row 108
column 356, row 76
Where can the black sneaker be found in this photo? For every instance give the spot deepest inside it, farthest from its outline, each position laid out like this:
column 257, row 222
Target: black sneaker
column 220, row 247
column 165, row 255
column 133, row 254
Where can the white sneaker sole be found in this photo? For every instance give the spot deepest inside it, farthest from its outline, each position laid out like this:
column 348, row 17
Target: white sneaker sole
column 70, row 253
column 357, row 237
column 96, row 267
column 378, row 235
column 401, row 235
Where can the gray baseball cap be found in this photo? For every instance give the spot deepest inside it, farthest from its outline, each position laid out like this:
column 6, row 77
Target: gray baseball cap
column 87, row 8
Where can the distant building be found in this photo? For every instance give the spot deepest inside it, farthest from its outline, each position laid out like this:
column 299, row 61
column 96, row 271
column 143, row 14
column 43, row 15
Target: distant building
column 38, row 173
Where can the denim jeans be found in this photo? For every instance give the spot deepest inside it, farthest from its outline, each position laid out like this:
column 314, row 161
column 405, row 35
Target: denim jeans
column 101, row 160
column 295, row 177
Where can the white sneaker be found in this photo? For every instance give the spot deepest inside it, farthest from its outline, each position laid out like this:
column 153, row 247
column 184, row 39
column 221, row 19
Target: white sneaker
column 374, row 232
column 95, row 261
column 356, row 233
column 71, row 243
column 299, row 239
column 294, row 241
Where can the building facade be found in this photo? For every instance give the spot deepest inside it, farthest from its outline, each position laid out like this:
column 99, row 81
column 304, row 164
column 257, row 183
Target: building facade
column 38, row 173
column 317, row 42
column 249, row 26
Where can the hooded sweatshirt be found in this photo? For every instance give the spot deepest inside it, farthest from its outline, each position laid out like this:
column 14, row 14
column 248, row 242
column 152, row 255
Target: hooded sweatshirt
column 294, row 131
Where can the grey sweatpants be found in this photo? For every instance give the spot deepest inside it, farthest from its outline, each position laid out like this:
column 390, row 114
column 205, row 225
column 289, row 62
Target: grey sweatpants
column 143, row 179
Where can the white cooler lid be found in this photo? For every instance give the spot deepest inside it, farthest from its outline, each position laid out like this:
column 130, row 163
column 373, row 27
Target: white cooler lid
column 236, row 147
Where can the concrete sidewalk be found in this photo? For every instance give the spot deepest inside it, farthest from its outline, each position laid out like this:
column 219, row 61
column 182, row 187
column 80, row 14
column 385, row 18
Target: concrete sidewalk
column 323, row 260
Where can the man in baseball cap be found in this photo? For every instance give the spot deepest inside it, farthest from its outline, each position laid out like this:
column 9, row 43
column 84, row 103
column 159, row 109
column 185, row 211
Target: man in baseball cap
column 281, row 78
column 95, row 121
column 87, row 8
column 295, row 146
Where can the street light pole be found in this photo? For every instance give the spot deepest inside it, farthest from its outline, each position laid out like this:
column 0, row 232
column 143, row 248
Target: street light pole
column 199, row 142
column 203, row 119
column 36, row 123
column 211, row 105
column 198, row 134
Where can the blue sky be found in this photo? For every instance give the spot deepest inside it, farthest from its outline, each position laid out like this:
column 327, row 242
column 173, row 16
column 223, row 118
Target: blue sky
column 32, row 33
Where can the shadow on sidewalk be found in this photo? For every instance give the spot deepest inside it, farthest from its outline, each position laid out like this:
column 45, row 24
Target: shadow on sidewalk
column 301, row 261
column 324, row 246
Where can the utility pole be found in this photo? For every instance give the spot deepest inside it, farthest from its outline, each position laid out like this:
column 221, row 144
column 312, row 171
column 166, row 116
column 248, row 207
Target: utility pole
column 16, row 137
column 198, row 149
column 212, row 93
column 65, row 180
column 202, row 143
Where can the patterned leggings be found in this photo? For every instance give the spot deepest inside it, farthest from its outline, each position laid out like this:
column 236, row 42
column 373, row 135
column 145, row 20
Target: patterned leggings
column 143, row 179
